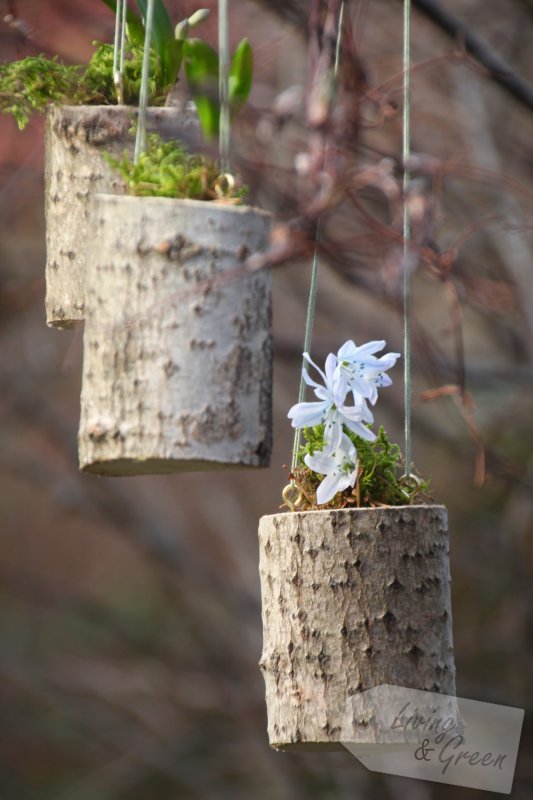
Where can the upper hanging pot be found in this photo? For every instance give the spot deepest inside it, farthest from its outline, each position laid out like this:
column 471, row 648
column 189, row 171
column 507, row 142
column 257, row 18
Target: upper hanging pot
column 177, row 347
column 352, row 599
column 76, row 139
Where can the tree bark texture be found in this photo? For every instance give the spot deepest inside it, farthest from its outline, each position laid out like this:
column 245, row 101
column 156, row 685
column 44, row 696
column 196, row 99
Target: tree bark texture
column 177, row 370
column 76, row 138
column 351, row 599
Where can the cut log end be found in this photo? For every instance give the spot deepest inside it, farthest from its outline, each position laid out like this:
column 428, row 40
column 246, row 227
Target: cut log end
column 352, row 599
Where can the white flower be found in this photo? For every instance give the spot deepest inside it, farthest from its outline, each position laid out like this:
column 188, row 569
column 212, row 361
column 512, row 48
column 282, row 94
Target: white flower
column 363, row 371
column 340, row 469
column 331, row 411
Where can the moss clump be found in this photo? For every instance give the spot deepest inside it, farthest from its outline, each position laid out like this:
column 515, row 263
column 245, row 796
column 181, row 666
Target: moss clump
column 165, row 169
column 97, row 84
column 380, row 466
column 35, row 82
column 32, row 84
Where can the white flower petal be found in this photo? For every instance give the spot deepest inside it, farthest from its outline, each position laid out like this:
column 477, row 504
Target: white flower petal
column 318, row 462
column 329, row 487
column 360, row 430
column 308, row 358
column 347, row 349
column 332, row 431
column 347, row 449
column 309, row 381
column 331, row 365
column 305, row 415
column 359, row 412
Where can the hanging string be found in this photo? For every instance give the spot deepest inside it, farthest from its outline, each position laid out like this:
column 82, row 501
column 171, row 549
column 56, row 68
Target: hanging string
column 140, row 139
column 224, row 142
column 119, row 48
column 406, row 147
column 311, row 302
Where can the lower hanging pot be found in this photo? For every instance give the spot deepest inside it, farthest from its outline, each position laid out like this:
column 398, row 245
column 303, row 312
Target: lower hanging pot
column 75, row 141
column 177, row 368
column 352, row 599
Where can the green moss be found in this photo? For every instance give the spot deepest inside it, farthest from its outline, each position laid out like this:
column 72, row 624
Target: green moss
column 97, row 84
column 33, row 83
column 167, row 170
column 380, row 467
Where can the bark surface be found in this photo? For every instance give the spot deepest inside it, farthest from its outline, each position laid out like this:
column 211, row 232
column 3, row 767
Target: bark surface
column 76, row 138
column 177, row 366
column 351, row 599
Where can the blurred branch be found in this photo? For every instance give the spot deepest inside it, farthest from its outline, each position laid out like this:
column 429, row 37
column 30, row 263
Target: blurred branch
column 499, row 70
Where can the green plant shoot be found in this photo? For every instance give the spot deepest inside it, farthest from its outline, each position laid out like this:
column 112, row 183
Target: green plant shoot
column 201, row 63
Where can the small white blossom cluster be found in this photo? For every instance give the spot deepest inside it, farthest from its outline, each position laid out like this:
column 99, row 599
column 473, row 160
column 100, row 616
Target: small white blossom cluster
column 355, row 370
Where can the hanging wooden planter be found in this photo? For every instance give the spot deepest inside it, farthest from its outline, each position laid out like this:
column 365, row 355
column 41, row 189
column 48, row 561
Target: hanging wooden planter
column 75, row 140
column 351, row 599
column 177, row 350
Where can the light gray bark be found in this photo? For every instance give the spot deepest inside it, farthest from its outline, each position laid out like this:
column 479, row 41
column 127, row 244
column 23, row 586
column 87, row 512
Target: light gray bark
column 76, row 138
column 177, row 349
column 351, row 599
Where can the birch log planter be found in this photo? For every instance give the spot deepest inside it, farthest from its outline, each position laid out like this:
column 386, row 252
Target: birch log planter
column 75, row 139
column 351, row 599
column 177, row 369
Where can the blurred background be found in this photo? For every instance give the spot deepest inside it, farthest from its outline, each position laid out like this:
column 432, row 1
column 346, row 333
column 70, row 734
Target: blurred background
column 130, row 620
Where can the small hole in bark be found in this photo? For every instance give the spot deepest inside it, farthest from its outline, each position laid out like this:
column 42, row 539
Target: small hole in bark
column 381, row 526
column 344, row 631
column 290, row 647
column 268, row 547
column 302, row 615
column 312, row 553
column 296, row 579
column 389, row 620
column 296, row 538
column 316, row 633
column 395, row 584
column 415, row 652
column 444, row 616
column 315, row 587
column 368, row 650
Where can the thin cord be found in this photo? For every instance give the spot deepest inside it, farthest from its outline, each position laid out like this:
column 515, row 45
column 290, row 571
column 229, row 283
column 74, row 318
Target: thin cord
column 123, row 47
column 223, row 90
column 140, row 139
column 406, row 146
column 309, row 322
column 311, row 302
column 119, row 48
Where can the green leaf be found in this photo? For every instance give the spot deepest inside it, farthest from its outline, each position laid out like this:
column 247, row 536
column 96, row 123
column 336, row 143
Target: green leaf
column 240, row 75
column 209, row 115
column 172, row 60
column 162, row 39
column 201, row 71
column 134, row 26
